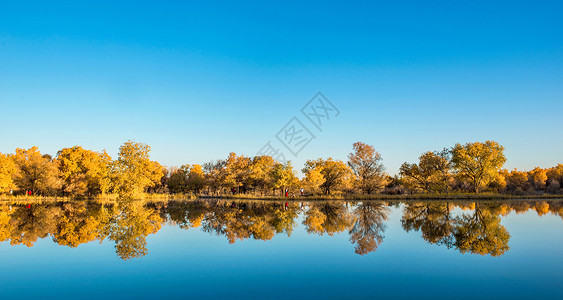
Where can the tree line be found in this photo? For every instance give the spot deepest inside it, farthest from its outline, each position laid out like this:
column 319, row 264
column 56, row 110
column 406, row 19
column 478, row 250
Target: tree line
column 78, row 172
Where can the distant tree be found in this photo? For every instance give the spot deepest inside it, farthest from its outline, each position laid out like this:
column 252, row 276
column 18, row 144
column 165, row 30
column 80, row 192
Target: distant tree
column 283, row 176
column 7, row 173
column 538, row 178
column 178, row 180
column 214, row 175
column 261, row 169
column 366, row 164
column 134, row 171
column 237, row 171
column 555, row 179
column 517, row 182
column 83, row 171
column 432, row 173
column 478, row 162
column 335, row 173
column 36, row 173
column 313, row 180
column 196, row 178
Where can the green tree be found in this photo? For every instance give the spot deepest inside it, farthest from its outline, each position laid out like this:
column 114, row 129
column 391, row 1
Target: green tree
column 478, row 162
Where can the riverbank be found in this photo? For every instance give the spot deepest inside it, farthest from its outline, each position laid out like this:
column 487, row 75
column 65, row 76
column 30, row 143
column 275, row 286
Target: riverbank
column 414, row 197
column 392, row 197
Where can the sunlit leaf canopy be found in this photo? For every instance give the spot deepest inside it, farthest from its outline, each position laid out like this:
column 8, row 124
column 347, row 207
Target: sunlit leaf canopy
column 75, row 172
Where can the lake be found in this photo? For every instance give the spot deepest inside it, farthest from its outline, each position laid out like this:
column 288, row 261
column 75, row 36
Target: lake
column 241, row 249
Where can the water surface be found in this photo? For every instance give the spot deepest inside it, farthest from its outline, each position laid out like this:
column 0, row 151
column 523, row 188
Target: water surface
column 282, row 250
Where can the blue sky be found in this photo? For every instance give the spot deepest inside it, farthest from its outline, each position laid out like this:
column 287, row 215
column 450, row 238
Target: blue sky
column 196, row 81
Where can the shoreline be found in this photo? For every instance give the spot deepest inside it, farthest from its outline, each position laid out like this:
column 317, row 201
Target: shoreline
column 379, row 197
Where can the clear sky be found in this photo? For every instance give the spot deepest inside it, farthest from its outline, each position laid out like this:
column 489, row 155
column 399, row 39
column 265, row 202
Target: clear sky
column 197, row 81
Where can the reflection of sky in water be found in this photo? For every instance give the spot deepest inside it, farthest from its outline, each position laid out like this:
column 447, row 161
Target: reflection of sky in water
column 192, row 263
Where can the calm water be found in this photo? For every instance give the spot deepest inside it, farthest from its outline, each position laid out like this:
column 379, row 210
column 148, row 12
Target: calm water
column 265, row 250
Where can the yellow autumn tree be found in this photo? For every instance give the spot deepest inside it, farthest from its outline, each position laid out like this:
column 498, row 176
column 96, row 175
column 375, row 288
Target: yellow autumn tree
column 7, row 173
column 478, row 162
column 313, row 180
column 517, row 182
column 366, row 164
column 236, row 171
column 196, row 178
column 84, row 171
column 35, row 172
column 335, row 173
column 283, row 177
column 431, row 174
column 260, row 170
column 538, row 178
column 133, row 171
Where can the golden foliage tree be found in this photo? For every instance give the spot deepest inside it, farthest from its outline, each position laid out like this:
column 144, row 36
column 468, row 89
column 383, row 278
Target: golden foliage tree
column 517, row 182
column 432, row 173
column 478, row 162
column 313, row 180
column 35, row 172
column 283, row 176
column 84, row 172
column 366, row 164
column 133, row 171
column 261, row 170
column 538, row 178
column 196, row 178
column 7, row 173
column 335, row 173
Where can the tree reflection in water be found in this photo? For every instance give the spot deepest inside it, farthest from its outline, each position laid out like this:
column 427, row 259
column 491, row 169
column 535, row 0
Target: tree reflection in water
column 478, row 232
column 367, row 232
column 468, row 227
column 130, row 228
column 433, row 219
